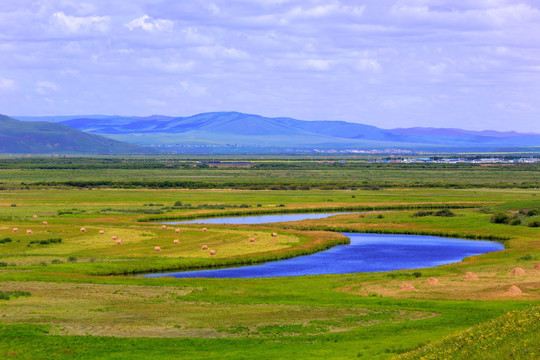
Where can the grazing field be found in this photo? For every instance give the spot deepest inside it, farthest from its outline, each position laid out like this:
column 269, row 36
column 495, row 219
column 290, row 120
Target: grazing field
column 70, row 290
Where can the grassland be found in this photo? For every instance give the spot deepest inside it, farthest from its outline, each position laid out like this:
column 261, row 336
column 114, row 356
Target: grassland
column 75, row 307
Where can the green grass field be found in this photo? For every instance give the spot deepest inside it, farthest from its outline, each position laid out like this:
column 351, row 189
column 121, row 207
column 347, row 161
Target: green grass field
column 79, row 297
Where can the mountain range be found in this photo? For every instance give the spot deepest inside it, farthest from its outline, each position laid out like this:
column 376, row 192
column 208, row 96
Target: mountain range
column 222, row 129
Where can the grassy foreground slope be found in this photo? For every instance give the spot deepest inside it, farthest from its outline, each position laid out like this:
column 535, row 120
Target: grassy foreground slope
column 58, row 300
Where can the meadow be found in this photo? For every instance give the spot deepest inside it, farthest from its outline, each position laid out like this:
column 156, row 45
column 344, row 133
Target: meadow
column 67, row 293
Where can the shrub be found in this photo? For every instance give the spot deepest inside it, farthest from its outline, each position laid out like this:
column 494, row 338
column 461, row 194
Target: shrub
column 417, row 274
column 532, row 212
column 444, row 213
column 3, row 264
column 515, row 222
column 422, row 213
column 72, row 259
column 499, row 218
column 6, row 295
column 534, row 224
column 5, row 240
column 45, row 242
column 380, row 216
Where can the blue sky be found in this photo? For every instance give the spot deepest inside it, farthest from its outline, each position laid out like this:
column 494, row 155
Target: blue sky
column 473, row 64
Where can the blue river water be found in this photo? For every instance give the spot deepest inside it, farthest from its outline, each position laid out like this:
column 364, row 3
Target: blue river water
column 259, row 219
column 365, row 253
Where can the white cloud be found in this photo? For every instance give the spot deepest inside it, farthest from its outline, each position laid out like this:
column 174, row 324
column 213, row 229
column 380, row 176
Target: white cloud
column 75, row 24
column 324, row 10
column 7, row 85
column 45, row 87
column 150, row 25
column 370, row 65
column 317, row 64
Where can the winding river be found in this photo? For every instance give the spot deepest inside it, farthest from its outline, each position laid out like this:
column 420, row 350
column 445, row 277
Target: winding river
column 365, row 253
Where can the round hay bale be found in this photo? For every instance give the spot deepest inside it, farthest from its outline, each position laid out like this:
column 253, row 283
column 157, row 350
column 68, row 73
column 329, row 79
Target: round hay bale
column 114, row 237
column 514, row 290
column 470, row 276
column 518, row 272
column 204, row 247
column 29, row 232
column 204, row 229
column 177, row 231
column 274, row 234
column 15, row 229
column 163, row 227
column 252, row 240
column 536, row 266
column 102, row 232
column 433, row 282
column 407, row 286
column 157, row 248
column 176, row 241
column 35, row 216
column 118, row 242
column 45, row 223
column 83, row 229
column 212, row 252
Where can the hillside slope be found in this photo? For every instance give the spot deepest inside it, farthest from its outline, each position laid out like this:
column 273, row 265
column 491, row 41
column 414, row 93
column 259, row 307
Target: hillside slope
column 24, row 137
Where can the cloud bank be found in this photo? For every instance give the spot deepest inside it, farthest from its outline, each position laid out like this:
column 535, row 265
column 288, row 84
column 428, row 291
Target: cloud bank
column 473, row 64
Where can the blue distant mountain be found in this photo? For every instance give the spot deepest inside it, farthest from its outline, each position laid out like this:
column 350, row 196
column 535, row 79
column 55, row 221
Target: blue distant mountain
column 221, row 128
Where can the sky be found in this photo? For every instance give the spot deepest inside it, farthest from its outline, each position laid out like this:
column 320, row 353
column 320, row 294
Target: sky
column 472, row 64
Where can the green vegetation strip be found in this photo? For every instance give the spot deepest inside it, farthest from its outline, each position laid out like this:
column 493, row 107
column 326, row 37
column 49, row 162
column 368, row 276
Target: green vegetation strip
column 314, row 210
column 403, row 232
column 7, row 295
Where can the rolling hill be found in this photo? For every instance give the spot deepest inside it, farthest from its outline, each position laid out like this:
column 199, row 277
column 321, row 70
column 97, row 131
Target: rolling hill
column 24, row 137
column 247, row 130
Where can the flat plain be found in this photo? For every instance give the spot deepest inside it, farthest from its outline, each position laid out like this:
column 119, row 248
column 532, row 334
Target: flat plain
column 69, row 291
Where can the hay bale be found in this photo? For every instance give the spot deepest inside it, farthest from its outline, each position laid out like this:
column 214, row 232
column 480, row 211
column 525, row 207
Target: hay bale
column 407, row 286
column 212, row 252
column 470, row 276
column 35, row 216
column 176, row 241
column 29, row 232
column 157, row 248
column 102, row 232
column 204, row 247
column 15, row 229
column 518, row 271
column 433, row 282
column 83, row 229
column 252, row 240
column 204, row 229
column 177, row 231
column 163, row 227
column 513, row 290
column 118, row 242
column 114, row 237
column 536, row 266
column 274, row 234
column 45, row 223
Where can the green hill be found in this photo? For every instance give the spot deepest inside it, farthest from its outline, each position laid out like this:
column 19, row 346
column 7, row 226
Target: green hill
column 25, row 137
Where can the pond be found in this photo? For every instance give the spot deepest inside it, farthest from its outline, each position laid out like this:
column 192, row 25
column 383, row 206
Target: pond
column 365, row 253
